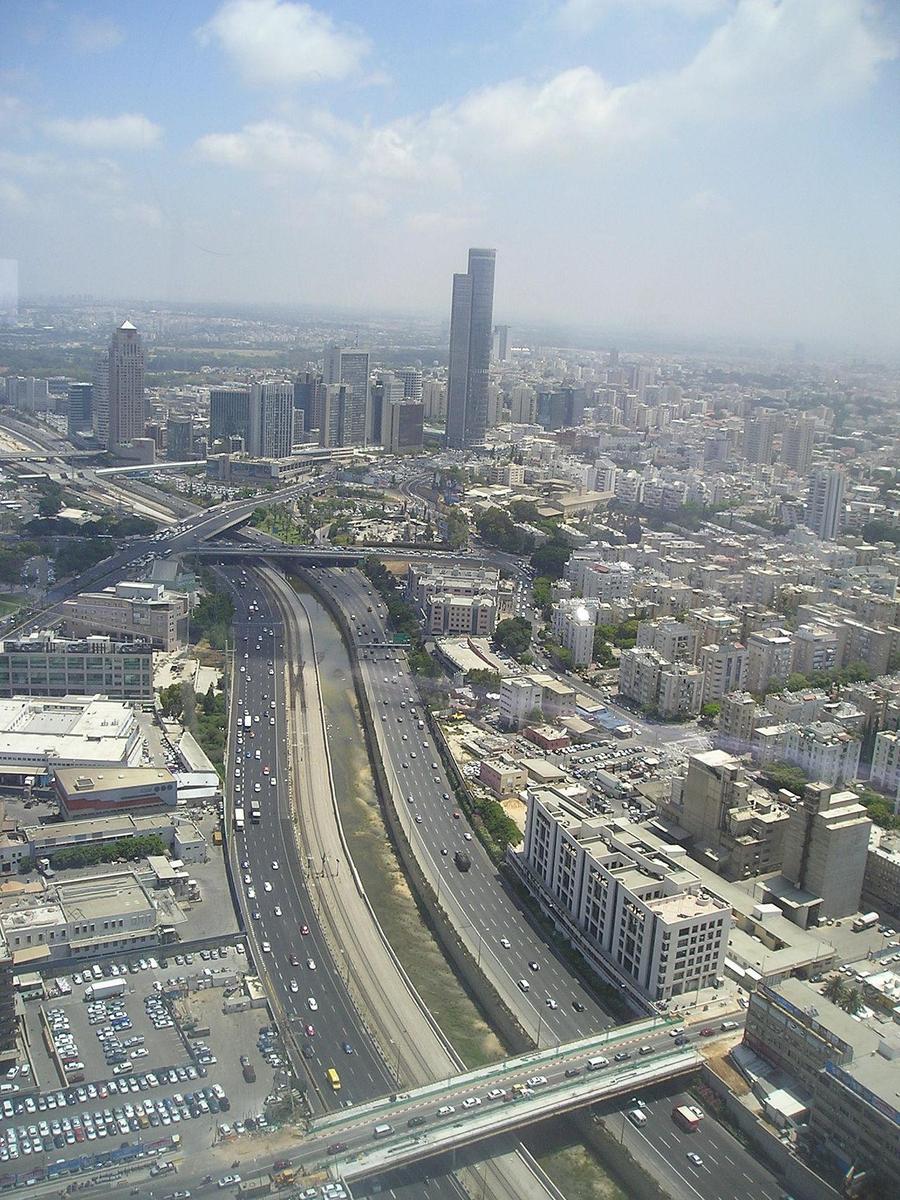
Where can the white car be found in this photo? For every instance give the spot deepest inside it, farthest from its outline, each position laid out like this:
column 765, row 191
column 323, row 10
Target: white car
column 446, row 1110
column 277, row 910
column 266, row 948
column 274, row 864
column 471, row 1102
column 311, row 963
column 312, row 1004
column 505, row 943
column 294, row 985
column 267, row 886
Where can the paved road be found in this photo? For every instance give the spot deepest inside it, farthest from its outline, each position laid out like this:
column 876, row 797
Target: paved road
column 492, row 909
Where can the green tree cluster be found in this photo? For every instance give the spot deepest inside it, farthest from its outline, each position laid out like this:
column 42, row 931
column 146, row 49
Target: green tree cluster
column 602, row 654
column 856, row 672
column 550, row 559
column 497, row 528
column 171, row 701
column 880, row 531
column 623, row 635
column 484, row 681
column 560, row 656
column 879, row 808
column 844, row 995
column 457, row 529
column 513, row 635
column 785, row 775
column 403, row 619
column 212, row 616
column 130, row 849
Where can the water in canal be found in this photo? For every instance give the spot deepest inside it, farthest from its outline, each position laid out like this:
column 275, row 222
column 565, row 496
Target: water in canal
column 572, row 1167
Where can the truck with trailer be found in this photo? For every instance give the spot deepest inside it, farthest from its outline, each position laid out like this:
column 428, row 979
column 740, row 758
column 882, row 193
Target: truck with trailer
column 103, row 989
column 687, row 1116
column 866, row 921
column 239, row 818
column 462, row 860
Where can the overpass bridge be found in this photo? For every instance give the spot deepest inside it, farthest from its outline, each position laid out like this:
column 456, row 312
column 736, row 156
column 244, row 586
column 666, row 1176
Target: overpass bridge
column 333, row 556
column 399, row 1129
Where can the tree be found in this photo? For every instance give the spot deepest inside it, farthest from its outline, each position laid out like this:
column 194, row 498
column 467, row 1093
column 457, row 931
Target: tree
column 710, row 711
column 488, row 681
column 551, row 558
column 457, row 529
column 852, row 1001
column 513, row 635
column 561, row 655
column 497, row 528
column 602, row 654
column 786, row 775
column 834, row 989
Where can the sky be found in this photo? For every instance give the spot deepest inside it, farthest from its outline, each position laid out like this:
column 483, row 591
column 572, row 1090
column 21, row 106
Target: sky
column 707, row 168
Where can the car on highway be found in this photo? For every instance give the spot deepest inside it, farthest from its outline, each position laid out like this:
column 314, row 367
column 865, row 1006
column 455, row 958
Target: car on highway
column 693, row 1157
column 304, row 930
column 534, row 966
column 277, row 910
column 267, row 887
column 578, row 1006
column 347, row 1048
column 274, row 864
column 622, row 1056
column 229, row 1181
column 496, row 1093
column 294, row 960
column 471, row 1102
column 505, row 943
column 572, row 1072
column 337, row 1147
column 256, row 914
column 266, row 948
column 294, row 985
column 536, row 1081
column 310, row 1030
column 707, row 1031
column 311, row 964
column 312, row 1003
column 446, row 1110
column 551, row 1003
column 415, row 1122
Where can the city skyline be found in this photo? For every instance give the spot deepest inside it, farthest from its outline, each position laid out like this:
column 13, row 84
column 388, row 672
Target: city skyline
column 720, row 168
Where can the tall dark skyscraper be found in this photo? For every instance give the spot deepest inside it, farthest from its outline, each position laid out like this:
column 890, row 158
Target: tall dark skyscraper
column 81, row 407
column 471, row 329
column 229, row 412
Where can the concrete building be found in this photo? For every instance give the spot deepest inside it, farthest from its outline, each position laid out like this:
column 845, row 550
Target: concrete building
column 450, row 615
column 886, row 763
column 130, row 611
column 100, row 398
column 81, row 791
column 739, row 716
column 503, row 778
column 180, row 835
column 471, row 315
column 607, row 582
column 759, row 434
column 42, row 664
column 402, row 426
column 715, row 626
column 816, row 648
column 669, row 690
column 798, row 441
column 825, row 848
column 674, row 640
column 573, row 625
column 724, row 669
column 270, row 432
column 881, row 883
column 770, row 658
column 736, row 831
column 821, row 749
column 8, row 1021
column 350, row 368
column 127, row 412
column 825, row 502
column 38, row 735
column 82, row 918
column 80, row 416
column 849, row 1070
column 644, row 916
column 229, row 412
column 523, row 696
column 523, row 404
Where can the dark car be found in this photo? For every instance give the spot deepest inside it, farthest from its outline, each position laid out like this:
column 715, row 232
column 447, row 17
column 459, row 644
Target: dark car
column 346, row 1047
column 578, row 1006
column 571, row 1072
column 337, row 1147
column 308, row 1050
column 415, row 1122
column 682, row 1040
column 622, row 1056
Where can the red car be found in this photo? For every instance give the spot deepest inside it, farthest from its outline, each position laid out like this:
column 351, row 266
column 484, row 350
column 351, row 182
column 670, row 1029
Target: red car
column 707, row 1031
column 310, row 1031
column 304, row 929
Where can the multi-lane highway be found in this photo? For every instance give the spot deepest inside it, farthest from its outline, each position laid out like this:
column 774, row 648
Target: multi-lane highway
column 289, row 945
column 555, row 1006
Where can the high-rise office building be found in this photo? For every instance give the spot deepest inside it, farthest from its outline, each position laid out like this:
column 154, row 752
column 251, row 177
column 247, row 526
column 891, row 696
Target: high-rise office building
column 126, row 386
column 501, row 343
column 81, row 407
column 825, row 502
column 307, row 400
column 401, row 426
column 797, row 442
column 471, row 314
column 351, row 367
column 411, row 378
column 271, row 424
column 522, row 404
column 179, row 438
column 229, row 412
column 100, row 414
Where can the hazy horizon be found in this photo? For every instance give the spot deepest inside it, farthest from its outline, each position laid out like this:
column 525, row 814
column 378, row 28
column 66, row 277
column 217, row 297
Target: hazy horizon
column 699, row 171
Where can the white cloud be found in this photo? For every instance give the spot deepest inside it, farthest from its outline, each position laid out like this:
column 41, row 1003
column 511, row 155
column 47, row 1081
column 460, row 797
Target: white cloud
column 95, row 36
column 12, row 110
column 267, row 146
column 12, row 197
column 580, row 16
column 130, row 131
column 278, row 42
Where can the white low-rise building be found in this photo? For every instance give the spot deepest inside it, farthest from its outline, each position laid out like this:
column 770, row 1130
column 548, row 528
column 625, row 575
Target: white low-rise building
column 573, row 627
column 37, row 734
column 886, row 762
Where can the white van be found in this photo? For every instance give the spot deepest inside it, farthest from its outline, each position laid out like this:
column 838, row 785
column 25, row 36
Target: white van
column 637, row 1117
column 596, row 1064
column 524, row 985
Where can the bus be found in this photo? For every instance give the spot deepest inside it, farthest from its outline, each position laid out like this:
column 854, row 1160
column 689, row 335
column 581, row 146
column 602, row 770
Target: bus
column 239, row 819
column 248, row 721
column 334, row 1079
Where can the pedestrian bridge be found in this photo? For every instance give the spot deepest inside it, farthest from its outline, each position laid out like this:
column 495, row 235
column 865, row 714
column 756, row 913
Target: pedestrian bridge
column 439, row 1117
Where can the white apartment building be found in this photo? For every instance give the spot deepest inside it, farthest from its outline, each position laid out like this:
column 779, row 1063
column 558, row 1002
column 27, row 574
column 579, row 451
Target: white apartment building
column 770, row 656
column 822, row 750
column 641, row 912
column 724, row 668
column 448, row 615
column 671, row 690
column 573, row 627
column 886, row 762
column 672, row 639
column 816, row 648
column 607, row 582
column 714, row 625
column 523, row 695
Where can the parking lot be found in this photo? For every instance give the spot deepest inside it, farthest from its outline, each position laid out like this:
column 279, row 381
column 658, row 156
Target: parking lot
column 140, row 1053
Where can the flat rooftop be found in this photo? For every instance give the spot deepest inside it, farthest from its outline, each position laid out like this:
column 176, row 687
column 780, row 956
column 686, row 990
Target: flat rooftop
column 110, row 780
column 103, row 896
